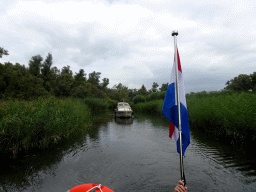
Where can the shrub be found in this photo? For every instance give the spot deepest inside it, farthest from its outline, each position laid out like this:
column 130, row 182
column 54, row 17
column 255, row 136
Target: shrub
column 139, row 99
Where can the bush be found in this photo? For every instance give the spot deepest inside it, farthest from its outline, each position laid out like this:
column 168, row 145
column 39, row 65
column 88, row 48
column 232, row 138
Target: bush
column 155, row 96
column 139, row 99
column 149, row 107
column 96, row 104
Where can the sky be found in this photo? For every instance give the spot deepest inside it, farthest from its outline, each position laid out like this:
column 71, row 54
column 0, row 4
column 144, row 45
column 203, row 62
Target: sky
column 131, row 42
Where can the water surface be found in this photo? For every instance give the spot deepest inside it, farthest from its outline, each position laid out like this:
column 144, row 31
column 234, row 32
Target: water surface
column 132, row 155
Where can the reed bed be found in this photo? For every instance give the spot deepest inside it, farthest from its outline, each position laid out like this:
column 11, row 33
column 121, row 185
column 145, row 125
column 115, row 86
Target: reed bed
column 225, row 114
column 153, row 107
column 41, row 122
column 96, row 104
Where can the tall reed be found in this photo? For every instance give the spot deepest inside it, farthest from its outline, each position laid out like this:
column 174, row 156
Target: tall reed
column 149, row 107
column 41, row 122
column 226, row 114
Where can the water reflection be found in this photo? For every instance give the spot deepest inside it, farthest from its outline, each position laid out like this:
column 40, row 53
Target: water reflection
column 227, row 155
column 125, row 121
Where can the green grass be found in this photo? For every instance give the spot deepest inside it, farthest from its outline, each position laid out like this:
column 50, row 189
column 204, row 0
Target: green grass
column 39, row 123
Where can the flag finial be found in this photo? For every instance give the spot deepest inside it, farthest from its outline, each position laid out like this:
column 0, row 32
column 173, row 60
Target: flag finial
column 174, row 33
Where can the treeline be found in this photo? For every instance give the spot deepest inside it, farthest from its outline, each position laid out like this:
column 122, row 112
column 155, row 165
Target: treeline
column 41, row 79
column 242, row 82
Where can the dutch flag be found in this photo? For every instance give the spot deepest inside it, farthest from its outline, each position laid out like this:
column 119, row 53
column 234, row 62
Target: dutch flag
column 170, row 109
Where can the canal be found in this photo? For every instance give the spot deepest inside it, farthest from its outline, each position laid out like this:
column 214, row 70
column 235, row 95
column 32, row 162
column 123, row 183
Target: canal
column 131, row 155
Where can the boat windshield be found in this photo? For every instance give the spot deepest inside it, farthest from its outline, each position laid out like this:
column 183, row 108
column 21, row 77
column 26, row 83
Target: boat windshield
column 126, row 105
column 120, row 105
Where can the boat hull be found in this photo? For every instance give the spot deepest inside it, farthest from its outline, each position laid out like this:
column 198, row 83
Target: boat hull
column 123, row 113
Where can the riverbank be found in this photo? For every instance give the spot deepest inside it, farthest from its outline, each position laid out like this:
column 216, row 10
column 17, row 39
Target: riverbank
column 229, row 116
column 44, row 122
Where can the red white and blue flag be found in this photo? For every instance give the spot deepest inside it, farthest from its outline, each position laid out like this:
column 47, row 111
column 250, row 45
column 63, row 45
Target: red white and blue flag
column 170, row 109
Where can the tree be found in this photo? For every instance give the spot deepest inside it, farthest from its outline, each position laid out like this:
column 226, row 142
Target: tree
column 119, row 92
column 94, row 78
column 64, row 82
column 46, row 66
column 80, row 78
column 55, row 70
column 105, row 82
column 253, row 81
column 240, row 83
column 3, row 52
column 164, row 87
column 47, row 73
column 66, row 70
column 31, row 87
column 132, row 93
column 154, row 87
column 64, row 85
column 35, row 65
column 142, row 90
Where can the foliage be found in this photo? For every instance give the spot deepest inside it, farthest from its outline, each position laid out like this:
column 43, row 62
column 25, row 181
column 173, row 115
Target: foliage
column 94, row 78
column 163, row 87
column 226, row 114
column 40, row 122
column 132, row 93
column 96, row 104
column 105, row 83
column 142, row 90
column 155, row 96
column 3, row 52
column 79, row 92
column 35, row 65
column 112, row 103
column 139, row 99
column 154, row 87
column 63, row 85
column 154, row 107
column 80, row 78
column 119, row 92
column 242, row 83
column 97, row 93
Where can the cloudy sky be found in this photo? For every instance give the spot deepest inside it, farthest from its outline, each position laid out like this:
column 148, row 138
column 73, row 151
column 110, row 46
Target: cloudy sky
column 130, row 41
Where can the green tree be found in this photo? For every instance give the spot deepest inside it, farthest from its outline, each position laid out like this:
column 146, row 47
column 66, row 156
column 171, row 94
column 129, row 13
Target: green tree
column 35, row 65
column 240, row 83
column 31, row 87
column 94, row 78
column 64, row 82
column 11, row 75
column 66, row 70
column 132, row 93
column 154, row 87
column 80, row 78
column 142, row 90
column 46, row 66
column 79, row 91
column 3, row 52
column 164, row 87
column 123, row 91
column 105, row 83
column 253, row 81
column 46, row 72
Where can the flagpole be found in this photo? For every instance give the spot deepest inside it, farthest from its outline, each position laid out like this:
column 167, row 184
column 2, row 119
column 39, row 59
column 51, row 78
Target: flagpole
column 174, row 34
